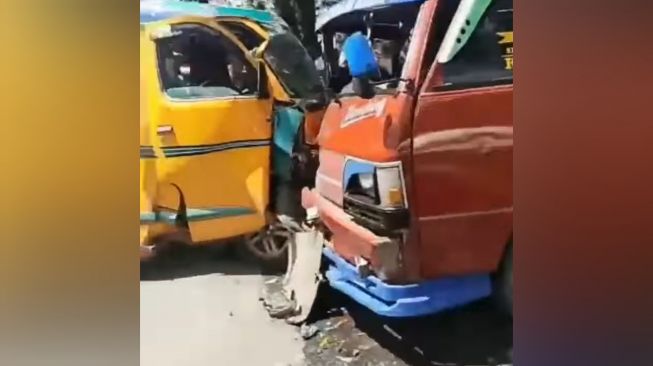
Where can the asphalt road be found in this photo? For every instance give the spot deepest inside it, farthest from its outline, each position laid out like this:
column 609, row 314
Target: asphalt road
column 203, row 308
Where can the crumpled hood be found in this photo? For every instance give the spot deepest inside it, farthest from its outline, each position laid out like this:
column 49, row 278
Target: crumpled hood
column 363, row 129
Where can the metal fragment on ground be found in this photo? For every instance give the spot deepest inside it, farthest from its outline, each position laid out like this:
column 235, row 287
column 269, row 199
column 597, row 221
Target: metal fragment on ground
column 308, row 331
column 335, row 326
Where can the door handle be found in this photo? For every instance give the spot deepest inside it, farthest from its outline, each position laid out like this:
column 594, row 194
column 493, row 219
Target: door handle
column 166, row 129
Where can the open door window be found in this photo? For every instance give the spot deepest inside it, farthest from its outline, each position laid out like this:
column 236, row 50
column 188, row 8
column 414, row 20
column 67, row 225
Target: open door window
column 250, row 38
column 198, row 62
column 284, row 54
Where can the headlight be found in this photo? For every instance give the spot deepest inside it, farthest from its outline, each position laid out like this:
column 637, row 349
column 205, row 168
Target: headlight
column 384, row 185
column 366, row 184
column 390, row 187
column 366, row 181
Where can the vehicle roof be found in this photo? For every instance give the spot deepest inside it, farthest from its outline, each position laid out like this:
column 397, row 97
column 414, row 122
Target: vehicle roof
column 349, row 6
column 157, row 10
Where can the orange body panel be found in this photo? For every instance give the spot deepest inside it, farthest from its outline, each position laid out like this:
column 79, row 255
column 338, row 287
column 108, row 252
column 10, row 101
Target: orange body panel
column 456, row 153
column 462, row 174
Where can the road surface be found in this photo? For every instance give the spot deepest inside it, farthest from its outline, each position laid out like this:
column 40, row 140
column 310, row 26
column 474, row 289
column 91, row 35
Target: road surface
column 204, row 309
column 207, row 312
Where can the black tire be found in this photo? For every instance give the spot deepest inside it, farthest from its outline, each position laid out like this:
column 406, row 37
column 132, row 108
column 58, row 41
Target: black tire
column 269, row 264
column 503, row 283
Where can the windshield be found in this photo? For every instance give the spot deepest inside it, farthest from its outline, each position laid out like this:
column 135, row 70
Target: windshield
column 293, row 66
column 389, row 31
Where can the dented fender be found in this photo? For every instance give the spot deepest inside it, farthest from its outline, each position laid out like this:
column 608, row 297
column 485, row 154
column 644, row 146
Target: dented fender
column 481, row 139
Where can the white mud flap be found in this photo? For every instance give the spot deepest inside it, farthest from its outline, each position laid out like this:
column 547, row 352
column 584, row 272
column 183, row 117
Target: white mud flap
column 295, row 299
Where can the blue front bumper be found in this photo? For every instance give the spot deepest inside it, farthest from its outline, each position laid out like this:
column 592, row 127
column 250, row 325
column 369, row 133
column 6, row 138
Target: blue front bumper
column 410, row 300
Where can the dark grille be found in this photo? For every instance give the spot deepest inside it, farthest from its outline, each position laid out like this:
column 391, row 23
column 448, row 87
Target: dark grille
column 369, row 215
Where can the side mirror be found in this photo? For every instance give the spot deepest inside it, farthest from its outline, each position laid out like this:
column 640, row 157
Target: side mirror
column 363, row 88
column 263, row 91
column 360, row 56
column 362, row 64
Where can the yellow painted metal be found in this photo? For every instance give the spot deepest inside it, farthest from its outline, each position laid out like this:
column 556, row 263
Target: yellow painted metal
column 233, row 178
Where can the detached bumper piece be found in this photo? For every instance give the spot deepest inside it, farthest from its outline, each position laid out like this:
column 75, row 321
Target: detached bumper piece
column 411, row 300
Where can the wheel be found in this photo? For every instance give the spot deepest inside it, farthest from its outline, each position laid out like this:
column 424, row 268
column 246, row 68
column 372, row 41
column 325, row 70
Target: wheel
column 269, row 247
column 503, row 282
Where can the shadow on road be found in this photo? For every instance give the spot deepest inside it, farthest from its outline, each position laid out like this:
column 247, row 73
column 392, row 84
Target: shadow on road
column 181, row 262
column 477, row 334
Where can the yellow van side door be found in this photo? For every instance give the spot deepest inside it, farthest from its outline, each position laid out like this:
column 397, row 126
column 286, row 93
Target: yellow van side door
column 148, row 177
column 213, row 128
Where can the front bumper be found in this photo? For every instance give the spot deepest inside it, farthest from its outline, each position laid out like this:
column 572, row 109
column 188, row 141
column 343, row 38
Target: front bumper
column 370, row 215
column 350, row 240
column 410, row 300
